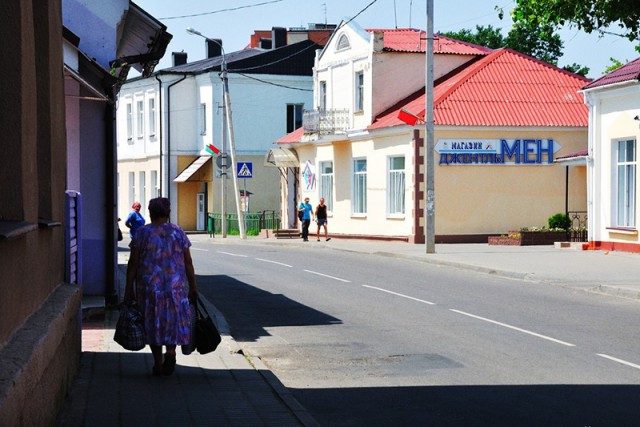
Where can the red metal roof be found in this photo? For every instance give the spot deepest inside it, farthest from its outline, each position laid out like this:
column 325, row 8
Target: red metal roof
column 412, row 40
column 626, row 73
column 505, row 88
column 292, row 137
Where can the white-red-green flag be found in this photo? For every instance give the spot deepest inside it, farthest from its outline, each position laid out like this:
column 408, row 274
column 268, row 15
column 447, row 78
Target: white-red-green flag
column 212, row 149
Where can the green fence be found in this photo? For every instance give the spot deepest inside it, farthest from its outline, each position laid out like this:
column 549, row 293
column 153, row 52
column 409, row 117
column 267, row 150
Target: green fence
column 254, row 222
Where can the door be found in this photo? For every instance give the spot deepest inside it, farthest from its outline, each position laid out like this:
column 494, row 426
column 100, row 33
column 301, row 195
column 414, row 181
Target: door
column 201, row 212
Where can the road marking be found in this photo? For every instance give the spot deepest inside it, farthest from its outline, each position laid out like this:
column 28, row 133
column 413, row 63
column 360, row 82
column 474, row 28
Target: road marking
column 229, row 253
column 624, row 362
column 198, row 249
column 514, row 328
column 326, row 275
column 273, row 262
column 400, row 295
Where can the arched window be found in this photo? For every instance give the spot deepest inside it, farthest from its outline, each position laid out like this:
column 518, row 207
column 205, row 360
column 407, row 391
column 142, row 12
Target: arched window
column 343, row 43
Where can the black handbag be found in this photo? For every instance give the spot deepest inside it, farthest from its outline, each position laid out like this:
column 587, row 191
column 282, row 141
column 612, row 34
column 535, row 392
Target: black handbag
column 130, row 328
column 207, row 336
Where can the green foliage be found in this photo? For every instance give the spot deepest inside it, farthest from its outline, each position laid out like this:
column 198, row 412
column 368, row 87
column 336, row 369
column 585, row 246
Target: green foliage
column 488, row 36
column 539, row 41
column 559, row 221
column 615, row 64
column 577, row 69
column 587, row 15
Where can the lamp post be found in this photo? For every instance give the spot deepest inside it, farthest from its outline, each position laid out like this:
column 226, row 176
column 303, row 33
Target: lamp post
column 229, row 127
column 430, row 231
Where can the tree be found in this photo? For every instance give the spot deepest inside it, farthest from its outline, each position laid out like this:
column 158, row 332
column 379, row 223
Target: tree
column 540, row 42
column 577, row 69
column 587, row 15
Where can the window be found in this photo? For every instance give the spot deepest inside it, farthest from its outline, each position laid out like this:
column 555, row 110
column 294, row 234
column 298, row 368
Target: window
column 140, row 120
column 154, row 184
column 359, row 94
column 626, row 183
column 326, row 184
column 343, row 43
column 129, row 122
column 152, row 116
column 395, row 186
column 322, row 96
column 203, row 119
column 132, row 188
column 359, row 186
column 143, row 190
column 294, row 117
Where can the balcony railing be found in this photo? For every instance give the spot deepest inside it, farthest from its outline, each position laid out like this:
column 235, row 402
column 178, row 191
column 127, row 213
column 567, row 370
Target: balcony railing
column 325, row 122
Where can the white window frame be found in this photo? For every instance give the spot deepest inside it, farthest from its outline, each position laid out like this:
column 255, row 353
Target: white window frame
column 396, row 187
column 359, row 187
column 129, row 112
column 132, row 188
column 142, row 178
column 154, row 184
column 152, row 117
column 140, row 118
column 358, row 106
column 322, row 96
column 624, row 182
column 203, row 119
column 326, row 183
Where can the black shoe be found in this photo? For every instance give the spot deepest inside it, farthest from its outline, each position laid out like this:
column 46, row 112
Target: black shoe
column 328, row 238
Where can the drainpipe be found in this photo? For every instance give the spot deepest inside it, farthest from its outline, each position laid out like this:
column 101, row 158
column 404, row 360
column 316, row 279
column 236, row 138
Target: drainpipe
column 168, row 154
column 160, row 127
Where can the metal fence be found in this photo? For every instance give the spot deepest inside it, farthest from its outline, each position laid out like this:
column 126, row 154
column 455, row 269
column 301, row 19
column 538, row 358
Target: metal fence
column 254, row 222
column 578, row 232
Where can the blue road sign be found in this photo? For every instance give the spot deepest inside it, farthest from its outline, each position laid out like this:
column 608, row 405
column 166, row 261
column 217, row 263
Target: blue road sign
column 245, row 170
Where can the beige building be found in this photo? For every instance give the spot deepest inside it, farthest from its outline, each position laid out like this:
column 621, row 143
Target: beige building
column 501, row 120
column 614, row 130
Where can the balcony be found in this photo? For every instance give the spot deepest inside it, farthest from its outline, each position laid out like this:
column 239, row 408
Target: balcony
column 325, row 122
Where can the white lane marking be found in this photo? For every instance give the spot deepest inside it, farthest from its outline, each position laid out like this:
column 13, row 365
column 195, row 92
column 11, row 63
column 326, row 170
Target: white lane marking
column 513, row 327
column 326, row 275
column 198, row 249
column 400, row 295
column 624, row 362
column 229, row 253
column 274, row 262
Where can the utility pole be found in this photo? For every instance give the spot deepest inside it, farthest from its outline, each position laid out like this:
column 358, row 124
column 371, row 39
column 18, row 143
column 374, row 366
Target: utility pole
column 229, row 128
column 430, row 210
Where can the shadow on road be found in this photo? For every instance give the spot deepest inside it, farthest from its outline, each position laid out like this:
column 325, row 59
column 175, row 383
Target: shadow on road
column 250, row 310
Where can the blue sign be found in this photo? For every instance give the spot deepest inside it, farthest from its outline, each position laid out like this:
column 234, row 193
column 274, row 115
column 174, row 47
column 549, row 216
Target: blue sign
column 497, row 151
column 245, row 170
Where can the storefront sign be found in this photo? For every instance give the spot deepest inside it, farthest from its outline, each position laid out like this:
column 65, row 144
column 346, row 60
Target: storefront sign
column 496, row 151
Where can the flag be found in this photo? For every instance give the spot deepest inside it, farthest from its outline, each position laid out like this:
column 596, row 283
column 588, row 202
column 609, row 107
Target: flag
column 212, row 149
column 408, row 117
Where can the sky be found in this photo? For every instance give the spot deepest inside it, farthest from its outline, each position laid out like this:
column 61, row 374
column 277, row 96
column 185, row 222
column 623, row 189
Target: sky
column 235, row 21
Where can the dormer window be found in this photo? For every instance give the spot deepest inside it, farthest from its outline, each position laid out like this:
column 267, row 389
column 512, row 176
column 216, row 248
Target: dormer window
column 343, row 43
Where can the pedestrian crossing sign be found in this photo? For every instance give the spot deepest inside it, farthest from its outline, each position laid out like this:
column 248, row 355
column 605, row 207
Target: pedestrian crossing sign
column 245, row 170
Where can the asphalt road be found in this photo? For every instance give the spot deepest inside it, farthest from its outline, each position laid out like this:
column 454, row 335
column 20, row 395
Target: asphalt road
column 369, row 340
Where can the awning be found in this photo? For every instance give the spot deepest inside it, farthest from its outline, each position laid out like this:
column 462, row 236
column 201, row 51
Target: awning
column 282, row 158
column 574, row 159
column 194, row 167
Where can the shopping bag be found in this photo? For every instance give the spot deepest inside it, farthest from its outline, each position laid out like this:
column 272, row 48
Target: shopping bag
column 130, row 328
column 207, row 335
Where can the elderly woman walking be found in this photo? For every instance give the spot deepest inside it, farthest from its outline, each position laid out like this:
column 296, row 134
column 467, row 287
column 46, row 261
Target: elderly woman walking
column 161, row 267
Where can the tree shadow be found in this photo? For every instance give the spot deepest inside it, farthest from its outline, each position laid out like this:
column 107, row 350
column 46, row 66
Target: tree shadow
column 250, row 310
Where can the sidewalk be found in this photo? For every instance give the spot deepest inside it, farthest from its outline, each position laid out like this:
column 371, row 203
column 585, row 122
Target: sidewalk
column 115, row 388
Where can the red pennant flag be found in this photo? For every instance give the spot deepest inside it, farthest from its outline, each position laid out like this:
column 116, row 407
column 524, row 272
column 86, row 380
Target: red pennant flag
column 212, row 149
column 407, row 117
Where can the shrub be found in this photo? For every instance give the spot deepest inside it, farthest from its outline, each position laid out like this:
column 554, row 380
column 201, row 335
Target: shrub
column 559, row 221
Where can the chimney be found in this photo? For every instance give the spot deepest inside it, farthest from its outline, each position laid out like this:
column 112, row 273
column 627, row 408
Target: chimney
column 179, row 58
column 378, row 41
column 278, row 37
column 265, row 43
column 214, row 49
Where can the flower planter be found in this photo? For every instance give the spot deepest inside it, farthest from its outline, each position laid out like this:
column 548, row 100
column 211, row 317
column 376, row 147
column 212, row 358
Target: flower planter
column 529, row 238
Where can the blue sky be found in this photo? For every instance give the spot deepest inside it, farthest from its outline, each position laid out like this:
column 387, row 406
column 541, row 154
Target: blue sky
column 235, row 27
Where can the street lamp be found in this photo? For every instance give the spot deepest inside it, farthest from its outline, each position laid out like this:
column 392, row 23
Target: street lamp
column 229, row 127
column 430, row 230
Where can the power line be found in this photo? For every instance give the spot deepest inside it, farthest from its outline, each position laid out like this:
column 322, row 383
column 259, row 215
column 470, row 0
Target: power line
column 221, row 10
column 271, row 83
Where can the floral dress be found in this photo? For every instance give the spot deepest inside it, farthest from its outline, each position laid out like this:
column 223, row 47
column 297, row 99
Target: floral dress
column 162, row 288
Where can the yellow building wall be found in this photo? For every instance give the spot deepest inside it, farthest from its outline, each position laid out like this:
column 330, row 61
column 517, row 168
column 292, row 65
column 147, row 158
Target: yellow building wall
column 188, row 193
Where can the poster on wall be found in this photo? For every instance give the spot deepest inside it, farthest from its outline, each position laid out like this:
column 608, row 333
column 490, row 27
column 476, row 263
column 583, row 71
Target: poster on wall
column 309, row 176
column 496, row 151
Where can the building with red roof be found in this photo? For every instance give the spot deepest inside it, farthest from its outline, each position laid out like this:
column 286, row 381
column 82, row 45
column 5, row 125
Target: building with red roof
column 614, row 124
column 501, row 118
